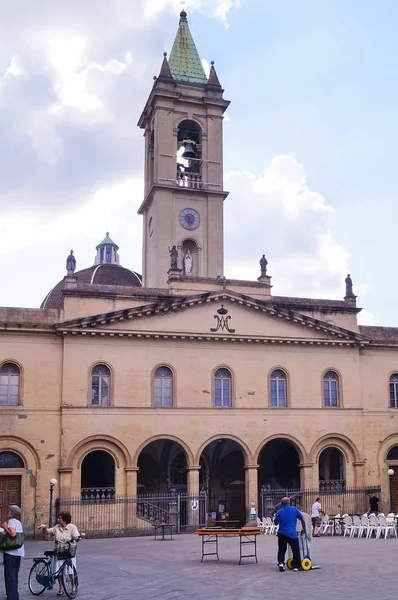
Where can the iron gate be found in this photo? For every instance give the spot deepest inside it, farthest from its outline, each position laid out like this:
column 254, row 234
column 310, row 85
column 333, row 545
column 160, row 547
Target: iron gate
column 334, row 499
column 135, row 515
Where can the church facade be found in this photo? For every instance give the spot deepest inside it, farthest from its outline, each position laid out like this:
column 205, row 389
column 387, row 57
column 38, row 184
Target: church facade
column 122, row 384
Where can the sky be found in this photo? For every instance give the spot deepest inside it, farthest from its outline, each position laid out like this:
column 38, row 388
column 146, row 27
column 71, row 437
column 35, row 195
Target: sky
column 310, row 138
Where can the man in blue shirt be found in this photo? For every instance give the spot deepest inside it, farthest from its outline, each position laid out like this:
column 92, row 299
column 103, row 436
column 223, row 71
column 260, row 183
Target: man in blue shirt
column 286, row 518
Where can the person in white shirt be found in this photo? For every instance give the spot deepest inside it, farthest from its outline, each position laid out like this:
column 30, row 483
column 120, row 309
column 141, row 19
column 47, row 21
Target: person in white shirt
column 12, row 558
column 63, row 532
column 316, row 512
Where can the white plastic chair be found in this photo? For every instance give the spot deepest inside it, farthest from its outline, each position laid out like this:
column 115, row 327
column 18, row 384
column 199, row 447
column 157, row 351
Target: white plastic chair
column 356, row 526
column 326, row 524
column 364, row 525
column 347, row 524
column 373, row 526
column 386, row 526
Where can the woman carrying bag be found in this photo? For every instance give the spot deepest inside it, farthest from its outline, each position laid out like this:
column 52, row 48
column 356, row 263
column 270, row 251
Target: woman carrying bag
column 11, row 543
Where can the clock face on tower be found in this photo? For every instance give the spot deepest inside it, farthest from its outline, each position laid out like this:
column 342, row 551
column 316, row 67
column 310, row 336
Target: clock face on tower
column 189, row 218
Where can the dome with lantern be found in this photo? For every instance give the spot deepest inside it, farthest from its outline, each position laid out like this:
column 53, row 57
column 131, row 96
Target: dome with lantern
column 106, row 271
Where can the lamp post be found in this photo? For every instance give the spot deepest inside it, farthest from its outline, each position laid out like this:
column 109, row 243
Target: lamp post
column 53, row 482
column 390, row 473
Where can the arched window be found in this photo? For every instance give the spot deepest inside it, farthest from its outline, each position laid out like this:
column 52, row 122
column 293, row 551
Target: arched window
column 189, row 154
column 10, row 460
column 394, row 390
column 100, row 385
column 9, row 384
column 163, row 395
column 98, row 476
column 331, row 389
column 331, row 469
column 222, row 388
column 278, row 388
column 393, row 453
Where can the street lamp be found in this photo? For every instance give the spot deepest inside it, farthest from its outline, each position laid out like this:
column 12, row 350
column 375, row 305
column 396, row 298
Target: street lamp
column 53, row 482
column 390, row 473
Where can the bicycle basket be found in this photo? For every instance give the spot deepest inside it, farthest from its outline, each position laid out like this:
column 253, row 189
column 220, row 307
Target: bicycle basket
column 64, row 550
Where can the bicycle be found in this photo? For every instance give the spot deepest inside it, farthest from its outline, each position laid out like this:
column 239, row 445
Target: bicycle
column 43, row 575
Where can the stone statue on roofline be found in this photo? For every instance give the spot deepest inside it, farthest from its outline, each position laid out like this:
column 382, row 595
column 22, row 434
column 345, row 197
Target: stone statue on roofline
column 173, row 257
column 263, row 265
column 71, row 264
column 348, row 286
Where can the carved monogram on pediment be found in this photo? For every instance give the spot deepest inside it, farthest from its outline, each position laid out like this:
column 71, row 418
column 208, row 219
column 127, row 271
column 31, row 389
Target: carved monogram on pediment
column 222, row 321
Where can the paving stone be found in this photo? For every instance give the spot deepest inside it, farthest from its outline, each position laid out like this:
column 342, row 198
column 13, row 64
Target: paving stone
column 142, row 569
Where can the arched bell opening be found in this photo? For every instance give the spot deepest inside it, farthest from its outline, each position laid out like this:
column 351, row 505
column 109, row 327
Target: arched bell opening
column 189, row 154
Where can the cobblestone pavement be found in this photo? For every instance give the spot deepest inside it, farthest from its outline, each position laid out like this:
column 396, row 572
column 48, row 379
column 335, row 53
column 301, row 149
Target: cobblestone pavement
column 142, row 569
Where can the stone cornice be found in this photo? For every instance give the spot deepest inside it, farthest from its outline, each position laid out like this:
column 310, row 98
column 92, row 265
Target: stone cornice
column 93, row 324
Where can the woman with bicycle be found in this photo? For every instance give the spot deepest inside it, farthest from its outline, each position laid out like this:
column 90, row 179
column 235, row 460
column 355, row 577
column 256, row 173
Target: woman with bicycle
column 64, row 532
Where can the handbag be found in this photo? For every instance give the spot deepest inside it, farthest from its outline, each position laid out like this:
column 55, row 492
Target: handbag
column 11, row 543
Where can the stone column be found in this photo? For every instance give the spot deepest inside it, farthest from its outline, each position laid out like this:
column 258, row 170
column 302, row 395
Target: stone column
column 309, row 478
column 193, row 490
column 251, row 488
column 359, row 474
column 131, row 519
column 65, row 483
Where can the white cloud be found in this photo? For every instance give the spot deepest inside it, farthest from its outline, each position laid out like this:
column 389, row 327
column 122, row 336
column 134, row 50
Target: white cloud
column 276, row 213
column 366, row 318
column 108, row 209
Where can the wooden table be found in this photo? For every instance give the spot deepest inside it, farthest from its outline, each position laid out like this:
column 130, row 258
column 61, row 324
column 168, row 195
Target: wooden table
column 247, row 537
column 228, row 524
column 164, row 527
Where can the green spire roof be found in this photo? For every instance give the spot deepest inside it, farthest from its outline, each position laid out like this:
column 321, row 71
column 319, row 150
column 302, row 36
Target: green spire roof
column 107, row 242
column 184, row 61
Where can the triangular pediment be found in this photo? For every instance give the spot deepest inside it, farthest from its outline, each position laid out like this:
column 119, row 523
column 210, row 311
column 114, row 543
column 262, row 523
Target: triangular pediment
column 214, row 315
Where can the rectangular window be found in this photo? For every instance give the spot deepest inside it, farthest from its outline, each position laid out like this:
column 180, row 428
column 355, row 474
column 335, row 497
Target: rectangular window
column 330, row 392
column 9, row 390
column 100, row 390
column 393, row 395
column 109, row 255
column 163, row 391
column 222, row 392
column 278, row 392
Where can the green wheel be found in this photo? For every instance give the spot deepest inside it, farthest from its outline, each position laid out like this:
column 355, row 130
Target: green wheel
column 289, row 563
column 306, row 564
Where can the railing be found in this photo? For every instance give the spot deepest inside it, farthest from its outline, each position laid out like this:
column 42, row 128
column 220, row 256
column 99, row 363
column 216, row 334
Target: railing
column 335, row 485
column 189, row 180
column 343, row 500
column 134, row 515
column 98, row 494
column 152, row 512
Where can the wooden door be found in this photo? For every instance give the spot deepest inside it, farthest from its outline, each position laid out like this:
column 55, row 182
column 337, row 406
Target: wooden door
column 394, row 489
column 10, row 493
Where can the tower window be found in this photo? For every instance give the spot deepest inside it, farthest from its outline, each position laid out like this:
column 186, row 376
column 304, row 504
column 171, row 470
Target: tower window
column 109, row 254
column 189, row 155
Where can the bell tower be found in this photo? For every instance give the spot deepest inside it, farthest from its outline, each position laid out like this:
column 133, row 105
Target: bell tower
column 184, row 191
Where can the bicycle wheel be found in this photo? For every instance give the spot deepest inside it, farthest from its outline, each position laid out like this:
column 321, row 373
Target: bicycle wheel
column 39, row 577
column 69, row 579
